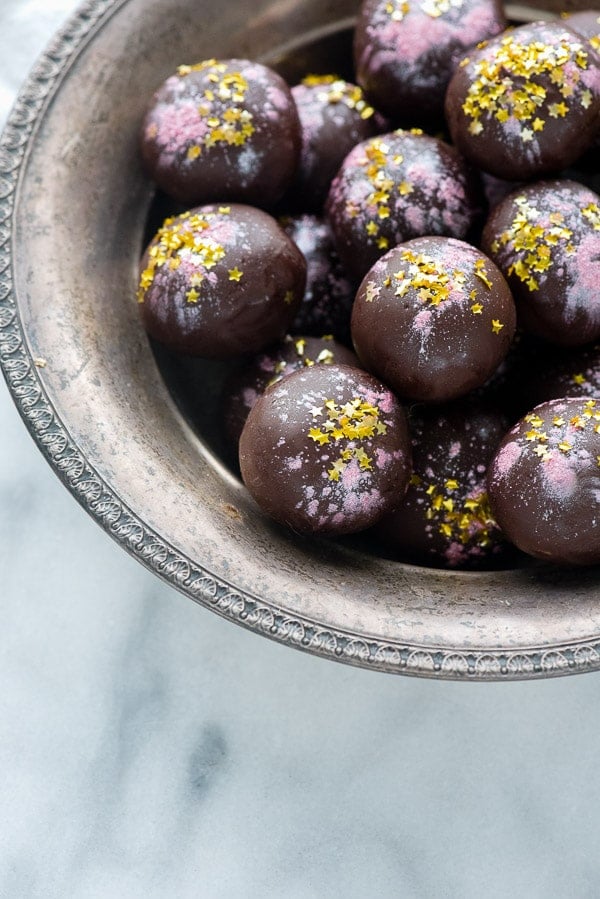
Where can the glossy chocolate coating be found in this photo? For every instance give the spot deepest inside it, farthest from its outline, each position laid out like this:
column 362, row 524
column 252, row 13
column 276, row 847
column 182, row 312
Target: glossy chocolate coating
column 545, row 238
column 445, row 518
column 222, row 130
column 527, row 103
column 279, row 361
column 544, row 482
column 326, row 451
column 433, row 319
column 393, row 188
column 220, row 281
column 329, row 293
column 334, row 117
column 405, row 52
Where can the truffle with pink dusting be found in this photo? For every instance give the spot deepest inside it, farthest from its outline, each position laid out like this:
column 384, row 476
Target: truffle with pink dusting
column 545, row 238
column 220, row 281
column 405, row 51
column 433, row 319
column 544, row 482
column 395, row 187
column 334, row 117
column 445, row 519
column 329, row 294
column 245, row 386
column 222, row 130
column 326, row 451
column 527, row 103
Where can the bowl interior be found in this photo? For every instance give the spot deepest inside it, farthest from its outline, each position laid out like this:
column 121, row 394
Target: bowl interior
column 157, row 484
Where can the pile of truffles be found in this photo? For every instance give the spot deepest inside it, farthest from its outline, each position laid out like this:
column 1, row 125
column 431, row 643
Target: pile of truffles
column 406, row 270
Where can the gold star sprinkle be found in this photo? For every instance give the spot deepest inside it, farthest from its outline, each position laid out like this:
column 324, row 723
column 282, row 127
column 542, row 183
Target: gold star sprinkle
column 194, row 152
column 235, row 274
column 318, row 436
column 496, row 326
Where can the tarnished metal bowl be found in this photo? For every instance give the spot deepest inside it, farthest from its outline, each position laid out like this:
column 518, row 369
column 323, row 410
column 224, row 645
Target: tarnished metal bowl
column 73, row 207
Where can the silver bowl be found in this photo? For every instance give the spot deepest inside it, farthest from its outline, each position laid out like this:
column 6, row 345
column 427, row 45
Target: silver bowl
column 73, row 208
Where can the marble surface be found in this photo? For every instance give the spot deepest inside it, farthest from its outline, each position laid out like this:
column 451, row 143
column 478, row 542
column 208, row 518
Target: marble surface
column 150, row 749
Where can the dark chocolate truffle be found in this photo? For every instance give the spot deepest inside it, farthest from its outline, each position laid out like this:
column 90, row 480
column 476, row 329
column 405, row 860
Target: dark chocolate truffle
column 433, row 319
column 406, row 50
column 544, row 482
column 587, row 23
column 220, row 281
column 334, row 117
column 326, row 450
column 279, row 361
column 527, row 103
column 545, row 238
column 222, row 130
column 445, row 519
column 329, row 294
column 555, row 373
column 396, row 187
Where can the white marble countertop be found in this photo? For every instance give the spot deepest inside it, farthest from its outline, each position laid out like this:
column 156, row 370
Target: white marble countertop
column 150, row 749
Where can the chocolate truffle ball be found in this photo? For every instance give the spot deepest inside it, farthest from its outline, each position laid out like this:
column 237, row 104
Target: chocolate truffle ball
column 329, row 294
column 545, row 238
column 219, row 281
column 587, row 23
column 293, row 353
column 527, row 103
column 555, row 373
column 433, row 319
column 334, row 117
column 396, row 187
column 326, row 451
column 544, row 482
column 445, row 519
column 222, row 130
column 406, row 50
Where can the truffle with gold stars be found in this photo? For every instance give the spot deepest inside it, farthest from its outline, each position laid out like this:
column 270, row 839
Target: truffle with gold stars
column 326, row 450
column 526, row 104
column 334, row 117
column 433, row 318
column 545, row 238
column 405, row 51
column 246, row 384
column 445, row 519
column 397, row 186
column 544, row 482
column 222, row 129
column 220, row 281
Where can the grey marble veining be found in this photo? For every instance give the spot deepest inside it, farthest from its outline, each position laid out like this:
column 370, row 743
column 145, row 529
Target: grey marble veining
column 150, row 749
